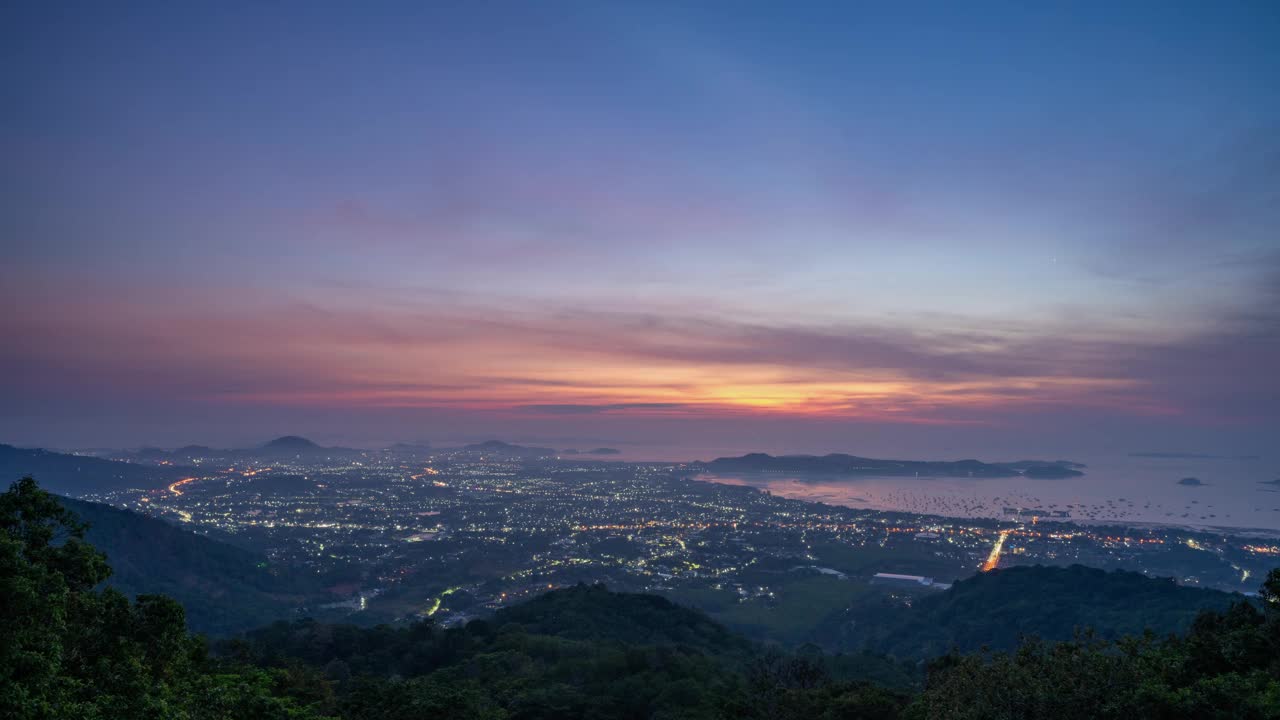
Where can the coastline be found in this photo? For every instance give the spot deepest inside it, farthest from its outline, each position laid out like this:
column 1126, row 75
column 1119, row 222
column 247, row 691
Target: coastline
column 860, row 503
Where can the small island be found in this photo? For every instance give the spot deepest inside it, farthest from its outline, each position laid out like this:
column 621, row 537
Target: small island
column 1190, row 482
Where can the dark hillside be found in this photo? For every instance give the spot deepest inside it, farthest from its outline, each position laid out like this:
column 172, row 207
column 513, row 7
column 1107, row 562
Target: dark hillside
column 591, row 612
column 224, row 588
column 997, row 608
column 79, row 475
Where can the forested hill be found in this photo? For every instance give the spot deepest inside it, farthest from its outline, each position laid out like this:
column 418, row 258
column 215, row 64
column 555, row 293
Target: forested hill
column 224, row 588
column 580, row 652
column 997, row 608
column 561, row 655
column 77, row 474
column 585, row 617
column 591, row 612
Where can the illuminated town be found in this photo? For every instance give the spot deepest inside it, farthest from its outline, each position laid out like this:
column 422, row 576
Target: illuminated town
column 453, row 534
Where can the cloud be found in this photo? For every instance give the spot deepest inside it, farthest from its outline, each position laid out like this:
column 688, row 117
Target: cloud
column 590, row 409
column 373, row 351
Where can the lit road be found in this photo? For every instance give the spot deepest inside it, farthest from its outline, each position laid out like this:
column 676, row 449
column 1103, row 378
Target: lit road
column 994, row 558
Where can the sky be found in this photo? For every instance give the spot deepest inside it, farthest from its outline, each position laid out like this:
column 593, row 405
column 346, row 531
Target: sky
column 927, row 229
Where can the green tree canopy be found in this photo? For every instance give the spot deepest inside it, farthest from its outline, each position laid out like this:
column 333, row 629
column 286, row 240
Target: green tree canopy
column 69, row 651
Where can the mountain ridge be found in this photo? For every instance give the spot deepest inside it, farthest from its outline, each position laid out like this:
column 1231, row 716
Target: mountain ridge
column 68, row 474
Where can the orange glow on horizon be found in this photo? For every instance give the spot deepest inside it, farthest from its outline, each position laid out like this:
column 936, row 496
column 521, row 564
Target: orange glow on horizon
column 730, row 392
column 528, row 363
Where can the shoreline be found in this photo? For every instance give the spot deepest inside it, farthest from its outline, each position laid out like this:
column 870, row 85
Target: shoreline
column 1241, row 532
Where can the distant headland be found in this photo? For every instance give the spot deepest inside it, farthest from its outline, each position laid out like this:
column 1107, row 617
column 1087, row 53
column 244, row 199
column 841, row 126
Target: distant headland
column 842, row 464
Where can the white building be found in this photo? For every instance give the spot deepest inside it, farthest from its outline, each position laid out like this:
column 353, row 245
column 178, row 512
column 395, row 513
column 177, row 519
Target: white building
column 895, row 579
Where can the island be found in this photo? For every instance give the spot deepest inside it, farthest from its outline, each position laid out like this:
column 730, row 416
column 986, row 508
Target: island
column 842, row 464
column 503, row 449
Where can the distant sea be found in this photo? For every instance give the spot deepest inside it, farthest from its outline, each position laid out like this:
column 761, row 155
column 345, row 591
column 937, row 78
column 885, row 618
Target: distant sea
column 1232, row 491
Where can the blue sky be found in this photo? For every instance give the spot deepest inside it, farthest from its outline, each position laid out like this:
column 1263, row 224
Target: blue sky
column 982, row 217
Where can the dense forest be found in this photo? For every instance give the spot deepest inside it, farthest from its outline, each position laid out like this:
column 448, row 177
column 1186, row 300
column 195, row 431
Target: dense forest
column 223, row 588
column 997, row 609
column 72, row 649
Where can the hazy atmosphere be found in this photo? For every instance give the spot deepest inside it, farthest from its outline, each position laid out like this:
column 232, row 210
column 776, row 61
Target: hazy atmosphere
column 659, row 227
column 640, row 360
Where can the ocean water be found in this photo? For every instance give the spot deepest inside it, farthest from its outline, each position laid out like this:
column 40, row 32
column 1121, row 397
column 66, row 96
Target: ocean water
column 1234, row 492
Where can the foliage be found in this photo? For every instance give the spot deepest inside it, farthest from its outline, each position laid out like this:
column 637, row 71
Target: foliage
column 1226, row 666
column 223, row 588
column 68, row 651
column 573, row 653
column 999, row 608
column 580, row 652
column 593, row 613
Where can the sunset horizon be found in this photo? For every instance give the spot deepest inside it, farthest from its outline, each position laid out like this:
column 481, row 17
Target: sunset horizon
column 711, row 220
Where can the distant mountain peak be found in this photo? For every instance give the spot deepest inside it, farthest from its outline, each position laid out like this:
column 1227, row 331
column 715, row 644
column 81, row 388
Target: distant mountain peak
column 499, row 447
column 291, row 442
